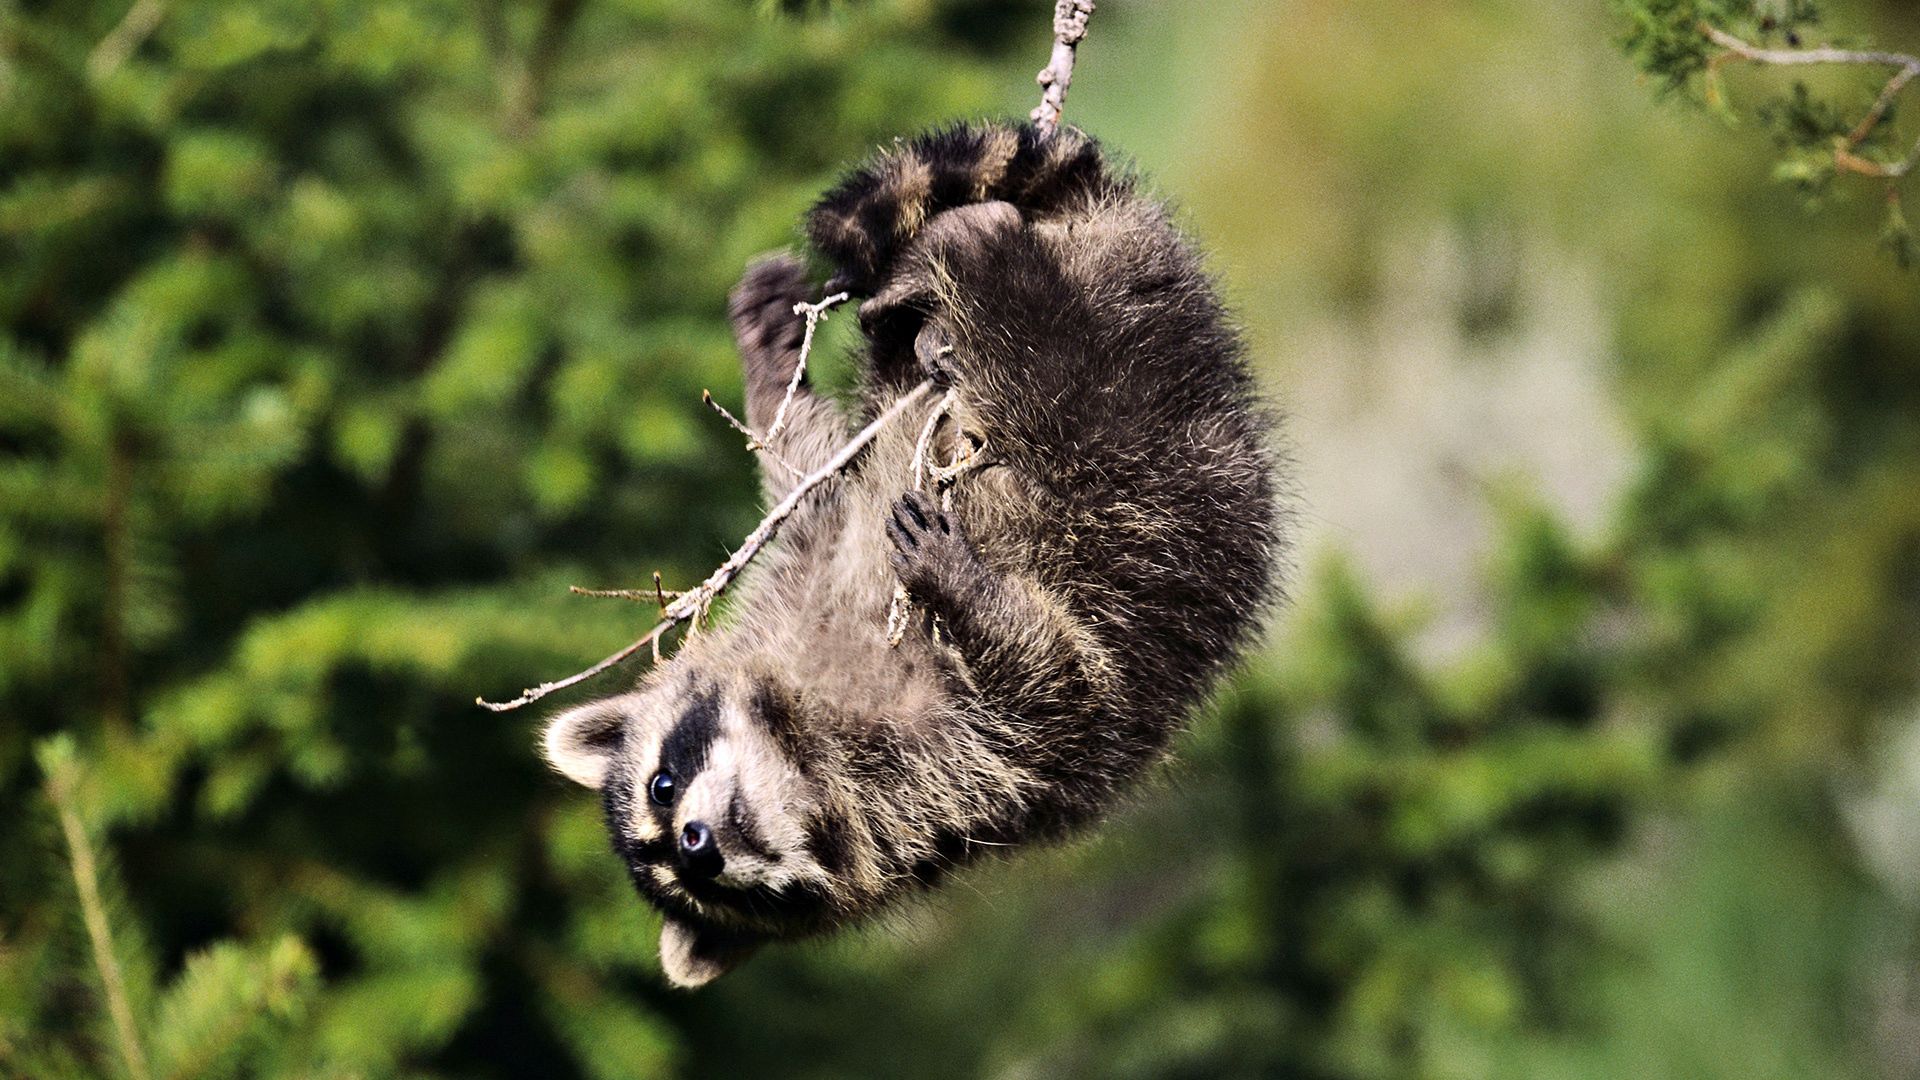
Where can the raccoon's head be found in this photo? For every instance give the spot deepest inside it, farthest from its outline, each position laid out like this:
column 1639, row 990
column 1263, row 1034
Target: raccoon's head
column 710, row 813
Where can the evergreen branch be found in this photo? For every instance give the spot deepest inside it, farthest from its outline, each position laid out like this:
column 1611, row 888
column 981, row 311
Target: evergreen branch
column 134, row 28
column 1845, row 156
column 693, row 603
column 117, row 539
column 86, row 880
column 1069, row 27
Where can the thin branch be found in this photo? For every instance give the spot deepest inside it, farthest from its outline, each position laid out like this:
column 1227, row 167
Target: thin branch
column 134, row 28
column 897, row 608
column 1823, row 55
column 691, row 604
column 86, row 881
column 1907, row 69
column 660, row 596
column 1069, row 26
column 816, row 313
column 754, row 442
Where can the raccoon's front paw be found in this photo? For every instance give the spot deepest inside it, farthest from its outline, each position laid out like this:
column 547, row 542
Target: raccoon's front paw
column 761, row 308
column 930, row 555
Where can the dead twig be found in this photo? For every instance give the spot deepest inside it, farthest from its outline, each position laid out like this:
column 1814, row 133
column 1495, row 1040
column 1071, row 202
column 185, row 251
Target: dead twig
column 1069, row 27
column 815, row 313
column 656, row 594
column 692, row 604
column 754, row 442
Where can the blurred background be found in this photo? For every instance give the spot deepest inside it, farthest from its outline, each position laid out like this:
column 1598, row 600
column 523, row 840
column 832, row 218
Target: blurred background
column 337, row 338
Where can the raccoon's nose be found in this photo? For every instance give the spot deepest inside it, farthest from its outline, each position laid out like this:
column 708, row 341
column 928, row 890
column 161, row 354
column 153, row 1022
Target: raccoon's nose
column 699, row 855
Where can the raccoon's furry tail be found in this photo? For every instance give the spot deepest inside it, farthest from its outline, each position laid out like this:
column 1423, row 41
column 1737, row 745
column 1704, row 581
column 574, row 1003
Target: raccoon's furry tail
column 878, row 209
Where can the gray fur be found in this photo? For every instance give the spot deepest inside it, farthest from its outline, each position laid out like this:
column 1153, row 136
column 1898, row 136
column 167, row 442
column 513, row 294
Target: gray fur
column 1082, row 594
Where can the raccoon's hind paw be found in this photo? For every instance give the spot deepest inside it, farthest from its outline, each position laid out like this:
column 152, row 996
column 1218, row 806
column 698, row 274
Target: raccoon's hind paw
column 761, row 307
column 930, row 554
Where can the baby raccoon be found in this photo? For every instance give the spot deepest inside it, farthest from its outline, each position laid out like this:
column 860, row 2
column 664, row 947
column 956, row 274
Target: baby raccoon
column 791, row 770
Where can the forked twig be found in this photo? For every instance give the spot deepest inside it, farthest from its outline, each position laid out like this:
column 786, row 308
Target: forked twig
column 694, row 602
column 754, row 442
column 1907, row 68
column 657, row 594
column 815, row 314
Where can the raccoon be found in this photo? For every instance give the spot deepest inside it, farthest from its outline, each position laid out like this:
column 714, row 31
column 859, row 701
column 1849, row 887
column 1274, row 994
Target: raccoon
column 792, row 770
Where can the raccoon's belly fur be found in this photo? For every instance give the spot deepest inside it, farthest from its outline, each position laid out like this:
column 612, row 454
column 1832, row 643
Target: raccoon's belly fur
column 790, row 770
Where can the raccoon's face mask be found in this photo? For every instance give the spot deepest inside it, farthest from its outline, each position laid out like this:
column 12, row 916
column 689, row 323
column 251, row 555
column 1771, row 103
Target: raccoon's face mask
column 711, row 818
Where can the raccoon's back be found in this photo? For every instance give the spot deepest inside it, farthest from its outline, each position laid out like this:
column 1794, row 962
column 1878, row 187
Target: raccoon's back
column 1092, row 350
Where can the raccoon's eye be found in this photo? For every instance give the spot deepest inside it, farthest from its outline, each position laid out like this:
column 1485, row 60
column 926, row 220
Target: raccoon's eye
column 661, row 788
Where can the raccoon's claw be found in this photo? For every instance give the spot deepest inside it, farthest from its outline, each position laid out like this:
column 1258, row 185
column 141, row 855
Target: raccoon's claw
column 934, row 349
column 761, row 306
column 929, row 553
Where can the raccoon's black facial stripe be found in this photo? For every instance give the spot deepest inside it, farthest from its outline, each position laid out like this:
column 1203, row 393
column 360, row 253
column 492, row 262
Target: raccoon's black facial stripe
column 683, row 753
column 650, row 852
column 774, row 715
column 616, row 803
column 828, row 845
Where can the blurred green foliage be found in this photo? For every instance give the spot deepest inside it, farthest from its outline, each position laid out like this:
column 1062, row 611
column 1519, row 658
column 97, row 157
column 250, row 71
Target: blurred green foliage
column 1822, row 133
column 339, row 338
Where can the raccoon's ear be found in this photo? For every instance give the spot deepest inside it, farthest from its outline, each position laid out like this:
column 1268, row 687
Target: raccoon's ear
column 695, row 956
column 580, row 742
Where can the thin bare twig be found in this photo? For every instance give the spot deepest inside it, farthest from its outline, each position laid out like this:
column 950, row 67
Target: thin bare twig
column 1907, row 69
column 86, row 881
column 754, row 442
column 1069, row 26
column 815, row 314
column 660, row 596
column 693, row 603
column 897, row 609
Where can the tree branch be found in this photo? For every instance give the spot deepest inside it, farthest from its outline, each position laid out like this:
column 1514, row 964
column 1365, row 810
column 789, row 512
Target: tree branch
column 693, row 603
column 1069, row 26
column 815, row 313
column 1907, row 69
